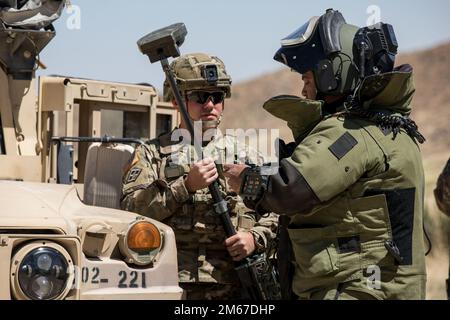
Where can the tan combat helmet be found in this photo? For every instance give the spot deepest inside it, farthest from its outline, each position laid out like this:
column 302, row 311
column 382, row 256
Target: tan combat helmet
column 198, row 71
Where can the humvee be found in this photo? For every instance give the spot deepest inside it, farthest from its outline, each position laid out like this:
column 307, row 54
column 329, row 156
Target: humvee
column 63, row 144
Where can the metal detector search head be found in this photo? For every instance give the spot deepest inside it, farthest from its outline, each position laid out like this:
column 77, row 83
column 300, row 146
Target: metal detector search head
column 163, row 43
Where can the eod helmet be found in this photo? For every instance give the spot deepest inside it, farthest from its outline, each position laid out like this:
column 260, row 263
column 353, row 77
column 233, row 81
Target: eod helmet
column 338, row 54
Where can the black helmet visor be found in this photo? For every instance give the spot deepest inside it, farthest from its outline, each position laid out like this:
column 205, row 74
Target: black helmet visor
column 302, row 49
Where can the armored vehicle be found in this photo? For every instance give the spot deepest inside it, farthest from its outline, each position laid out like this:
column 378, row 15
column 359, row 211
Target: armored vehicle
column 64, row 142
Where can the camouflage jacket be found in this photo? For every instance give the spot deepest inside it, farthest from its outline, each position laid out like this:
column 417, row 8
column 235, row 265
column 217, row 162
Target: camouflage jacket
column 153, row 185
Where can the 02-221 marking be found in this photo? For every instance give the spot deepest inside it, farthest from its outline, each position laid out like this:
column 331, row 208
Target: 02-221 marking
column 126, row 279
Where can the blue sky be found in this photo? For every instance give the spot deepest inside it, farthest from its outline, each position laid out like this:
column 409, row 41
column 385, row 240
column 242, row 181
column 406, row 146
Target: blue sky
column 244, row 33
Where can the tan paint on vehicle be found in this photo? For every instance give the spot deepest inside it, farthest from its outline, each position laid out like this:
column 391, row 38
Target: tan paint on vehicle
column 37, row 210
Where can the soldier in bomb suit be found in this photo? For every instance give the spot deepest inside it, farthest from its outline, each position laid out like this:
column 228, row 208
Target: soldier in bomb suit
column 352, row 183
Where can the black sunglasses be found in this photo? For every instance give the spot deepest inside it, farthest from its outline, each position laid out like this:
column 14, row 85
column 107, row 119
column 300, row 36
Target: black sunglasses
column 203, row 96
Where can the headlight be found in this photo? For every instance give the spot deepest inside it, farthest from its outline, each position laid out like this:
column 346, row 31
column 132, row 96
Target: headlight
column 140, row 243
column 41, row 271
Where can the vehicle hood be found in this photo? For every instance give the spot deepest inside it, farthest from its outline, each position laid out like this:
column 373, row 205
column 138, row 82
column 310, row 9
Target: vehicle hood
column 40, row 205
column 32, row 205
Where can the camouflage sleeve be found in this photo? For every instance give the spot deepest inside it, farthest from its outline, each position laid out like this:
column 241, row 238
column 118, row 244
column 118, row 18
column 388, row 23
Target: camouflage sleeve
column 442, row 191
column 263, row 228
column 145, row 193
column 265, row 233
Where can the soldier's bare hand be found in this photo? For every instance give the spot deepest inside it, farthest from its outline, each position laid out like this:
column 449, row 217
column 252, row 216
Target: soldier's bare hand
column 241, row 245
column 232, row 173
column 201, row 175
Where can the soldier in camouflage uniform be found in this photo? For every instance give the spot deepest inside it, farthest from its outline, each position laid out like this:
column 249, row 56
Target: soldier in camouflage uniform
column 164, row 182
column 352, row 183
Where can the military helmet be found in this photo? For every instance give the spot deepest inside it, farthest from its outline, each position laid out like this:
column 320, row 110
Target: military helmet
column 338, row 54
column 323, row 45
column 198, row 71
